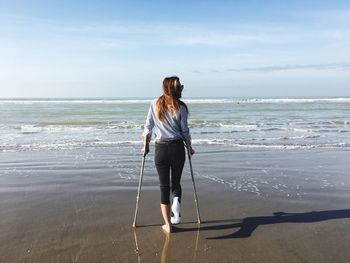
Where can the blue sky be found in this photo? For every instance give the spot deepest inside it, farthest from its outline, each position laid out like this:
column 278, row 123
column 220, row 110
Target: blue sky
column 218, row 48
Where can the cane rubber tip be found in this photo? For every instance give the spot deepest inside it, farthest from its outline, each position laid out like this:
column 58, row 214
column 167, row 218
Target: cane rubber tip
column 134, row 225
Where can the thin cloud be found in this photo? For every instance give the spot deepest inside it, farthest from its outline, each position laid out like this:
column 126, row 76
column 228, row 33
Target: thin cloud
column 222, row 39
column 329, row 66
column 336, row 34
column 335, row 15
column 336, row 66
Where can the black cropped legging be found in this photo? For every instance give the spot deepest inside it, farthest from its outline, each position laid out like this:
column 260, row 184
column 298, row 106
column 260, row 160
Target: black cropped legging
column 169, row 158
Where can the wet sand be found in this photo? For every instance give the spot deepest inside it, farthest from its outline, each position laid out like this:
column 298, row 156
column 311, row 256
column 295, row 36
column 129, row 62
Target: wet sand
column 256, row 206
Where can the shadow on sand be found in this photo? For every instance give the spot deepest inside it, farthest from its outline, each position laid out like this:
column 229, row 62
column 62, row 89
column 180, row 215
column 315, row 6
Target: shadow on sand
column 249, row 224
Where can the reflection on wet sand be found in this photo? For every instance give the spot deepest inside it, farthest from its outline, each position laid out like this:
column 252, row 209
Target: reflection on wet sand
column 137, row 250
column 165, row 251
column 167, row 248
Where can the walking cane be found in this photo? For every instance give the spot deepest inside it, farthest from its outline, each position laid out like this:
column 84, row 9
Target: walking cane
column 194, row 185
column 139, row 190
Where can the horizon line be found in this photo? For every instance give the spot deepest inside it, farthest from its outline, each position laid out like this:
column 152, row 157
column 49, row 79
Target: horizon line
column 150, row 98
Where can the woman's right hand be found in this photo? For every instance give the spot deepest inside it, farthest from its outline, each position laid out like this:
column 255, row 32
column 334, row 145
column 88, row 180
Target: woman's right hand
column 146, row 141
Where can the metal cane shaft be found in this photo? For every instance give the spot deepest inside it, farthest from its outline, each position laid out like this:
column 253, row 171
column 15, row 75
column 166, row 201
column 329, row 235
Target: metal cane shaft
column 139, row 191
column 194, row 186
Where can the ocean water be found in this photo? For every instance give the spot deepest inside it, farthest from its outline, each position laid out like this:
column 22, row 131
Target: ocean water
column 268, row 123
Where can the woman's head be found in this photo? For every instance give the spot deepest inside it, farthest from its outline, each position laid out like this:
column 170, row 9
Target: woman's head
column 170, row 99
column 172, row 87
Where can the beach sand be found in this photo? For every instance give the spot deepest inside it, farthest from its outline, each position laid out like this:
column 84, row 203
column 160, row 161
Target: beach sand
column 77, row 205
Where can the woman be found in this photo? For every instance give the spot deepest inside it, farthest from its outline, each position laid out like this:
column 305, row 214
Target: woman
column 167, row 117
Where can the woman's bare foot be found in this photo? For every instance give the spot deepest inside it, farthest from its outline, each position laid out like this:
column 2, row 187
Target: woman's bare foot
column 166, row 228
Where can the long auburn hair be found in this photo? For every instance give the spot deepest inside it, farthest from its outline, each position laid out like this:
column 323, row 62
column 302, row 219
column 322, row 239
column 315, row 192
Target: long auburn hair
column 170, row 98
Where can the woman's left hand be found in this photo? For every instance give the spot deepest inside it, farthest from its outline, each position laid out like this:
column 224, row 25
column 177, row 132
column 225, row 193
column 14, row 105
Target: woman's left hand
column 192, row 151
column 145, row 150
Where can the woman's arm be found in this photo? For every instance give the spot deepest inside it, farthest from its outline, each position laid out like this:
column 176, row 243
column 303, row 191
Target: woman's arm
column 147, row 132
